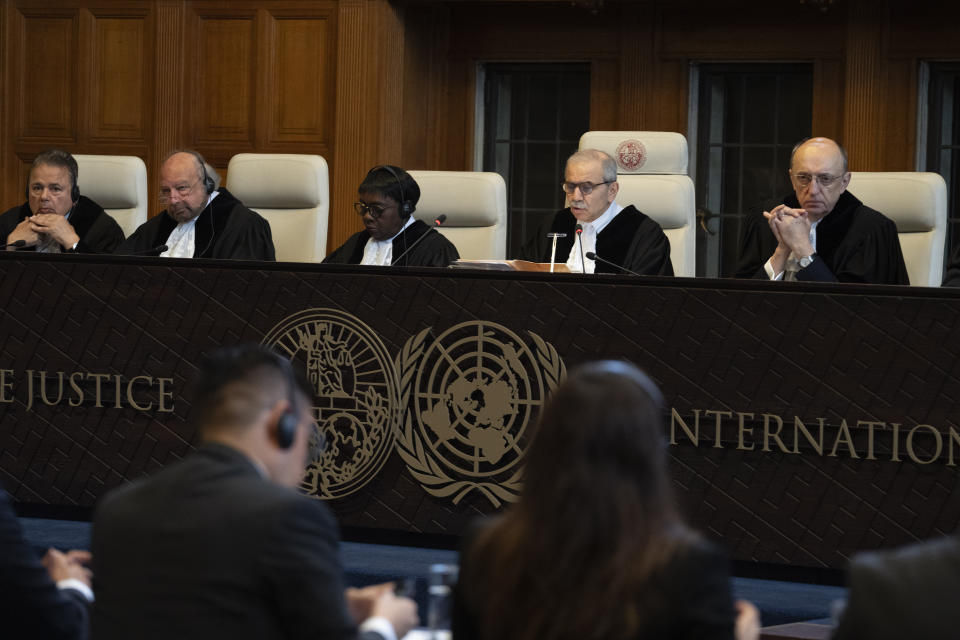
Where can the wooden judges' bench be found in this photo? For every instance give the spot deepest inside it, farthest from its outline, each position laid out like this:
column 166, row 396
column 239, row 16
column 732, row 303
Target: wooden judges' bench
column 807, row 421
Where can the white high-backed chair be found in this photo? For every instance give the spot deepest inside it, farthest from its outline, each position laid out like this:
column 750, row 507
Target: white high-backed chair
column 917, row 203
column 652, row 172
column 475, row 204
column 292, row 192
column 118, row 184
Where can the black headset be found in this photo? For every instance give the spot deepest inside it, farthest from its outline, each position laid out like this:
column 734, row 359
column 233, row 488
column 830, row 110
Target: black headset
column 406, row 207
column 288, row 421
column 208, row 184
column 72, row 169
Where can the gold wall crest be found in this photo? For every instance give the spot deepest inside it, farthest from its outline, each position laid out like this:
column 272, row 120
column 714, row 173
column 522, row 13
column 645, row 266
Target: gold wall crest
column 355, row 395
column 471, row 395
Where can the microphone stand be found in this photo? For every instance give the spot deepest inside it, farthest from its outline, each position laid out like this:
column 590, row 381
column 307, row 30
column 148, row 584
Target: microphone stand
column 595, row 257
column 436, row 223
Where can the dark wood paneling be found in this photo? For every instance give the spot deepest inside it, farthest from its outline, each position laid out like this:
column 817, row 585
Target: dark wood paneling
column 223, row 77
column 300, row 74
column 121, row 95
column 47, row 75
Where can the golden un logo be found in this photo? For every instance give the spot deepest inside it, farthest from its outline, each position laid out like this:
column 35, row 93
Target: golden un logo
column 355, row 402
column 471, row 396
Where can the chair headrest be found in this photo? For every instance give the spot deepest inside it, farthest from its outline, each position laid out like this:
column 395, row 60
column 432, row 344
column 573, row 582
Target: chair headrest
column 278, row 180
column 638, row 152
column 468, row 198
column 113, row 182
column 910, row 198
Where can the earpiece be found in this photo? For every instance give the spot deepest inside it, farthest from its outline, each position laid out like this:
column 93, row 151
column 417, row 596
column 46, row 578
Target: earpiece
column 208, row 184
column 288, row 421
column 406, row 207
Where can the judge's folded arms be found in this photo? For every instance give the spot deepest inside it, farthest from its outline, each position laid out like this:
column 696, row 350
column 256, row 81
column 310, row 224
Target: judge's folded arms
column 200, row 219
column 621, row 236
column 56, row 218
column 822, row 232
column 386, row 200
column 596, row 547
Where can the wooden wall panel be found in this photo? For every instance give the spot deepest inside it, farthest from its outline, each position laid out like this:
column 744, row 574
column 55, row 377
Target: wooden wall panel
column 369, row 103
column 48, row 75
column 864, row 86
column 299, row 76
column 121, row 59
column 224, row 78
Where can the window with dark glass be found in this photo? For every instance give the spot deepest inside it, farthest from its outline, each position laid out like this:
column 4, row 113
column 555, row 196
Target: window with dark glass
column 748, row 118
column 943, row 139
column 534, row 115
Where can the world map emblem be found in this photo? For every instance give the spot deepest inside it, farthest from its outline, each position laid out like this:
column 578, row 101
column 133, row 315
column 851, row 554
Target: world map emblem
column 355, row 396
column 471, row 396
column 631, row 154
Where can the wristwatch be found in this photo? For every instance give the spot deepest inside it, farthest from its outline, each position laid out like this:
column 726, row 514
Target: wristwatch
column 806, row 261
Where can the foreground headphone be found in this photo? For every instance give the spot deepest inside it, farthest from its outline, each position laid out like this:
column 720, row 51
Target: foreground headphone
column 288, row 421
column 406, row 207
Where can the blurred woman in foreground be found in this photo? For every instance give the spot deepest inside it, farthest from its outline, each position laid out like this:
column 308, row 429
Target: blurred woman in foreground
column 595, row 549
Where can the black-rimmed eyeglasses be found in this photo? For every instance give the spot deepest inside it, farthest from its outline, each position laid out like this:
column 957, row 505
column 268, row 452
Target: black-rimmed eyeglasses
column 374, row 210
column 586, row 188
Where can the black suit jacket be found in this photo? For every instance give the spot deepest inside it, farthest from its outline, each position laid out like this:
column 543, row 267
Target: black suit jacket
column 31, row 606
column 908, row 593
column 207, row 548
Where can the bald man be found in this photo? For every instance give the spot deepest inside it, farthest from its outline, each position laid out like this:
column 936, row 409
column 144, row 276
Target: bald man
column 200, row 219
column 823, row 232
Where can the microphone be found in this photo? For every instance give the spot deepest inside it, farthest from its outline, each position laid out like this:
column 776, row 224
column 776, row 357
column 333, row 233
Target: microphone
column 160, row 248
column 579, row 231
column 440, row 219
column 594, row 256
column 15, row 245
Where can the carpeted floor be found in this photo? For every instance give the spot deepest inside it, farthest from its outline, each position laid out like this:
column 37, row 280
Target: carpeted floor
column 779, row 602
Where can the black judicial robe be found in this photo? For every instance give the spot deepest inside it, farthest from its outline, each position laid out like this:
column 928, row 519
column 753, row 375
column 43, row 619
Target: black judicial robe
column 854, row 244
column 433, row 251
column 631, row 239
column 99, row 233
column 237, row 232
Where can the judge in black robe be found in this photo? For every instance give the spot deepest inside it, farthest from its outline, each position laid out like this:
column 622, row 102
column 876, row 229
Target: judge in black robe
column 226, row 230
column 98, row 232
column 632, row 240
column 854, row 243
column 433, row 251
column 387, row 198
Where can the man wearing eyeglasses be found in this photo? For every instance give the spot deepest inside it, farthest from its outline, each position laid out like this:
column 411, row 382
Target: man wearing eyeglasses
column 200, row 219
column 391, row 236
column 621, row 236
column 823, row 232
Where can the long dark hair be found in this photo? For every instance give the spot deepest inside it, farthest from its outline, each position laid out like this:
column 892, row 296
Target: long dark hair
column 595, row 519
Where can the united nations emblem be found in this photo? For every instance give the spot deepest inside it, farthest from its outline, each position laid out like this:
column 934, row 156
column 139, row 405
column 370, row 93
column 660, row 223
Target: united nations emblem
column 355, row 396
column 470, row 396
column 631, row 154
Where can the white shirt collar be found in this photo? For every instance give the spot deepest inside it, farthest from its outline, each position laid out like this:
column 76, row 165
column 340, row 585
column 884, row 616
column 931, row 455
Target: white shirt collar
column 606, row 217
column 379, row 253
